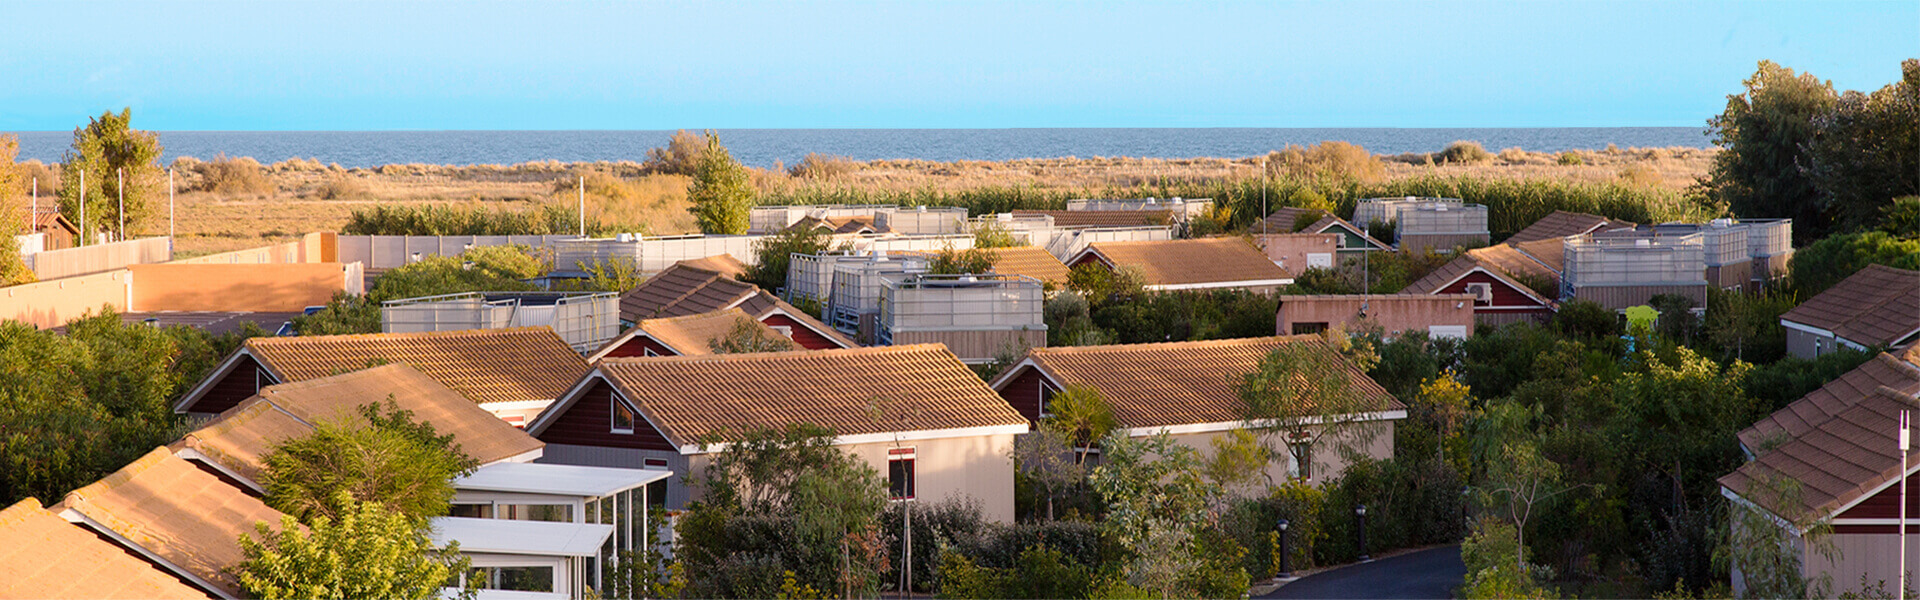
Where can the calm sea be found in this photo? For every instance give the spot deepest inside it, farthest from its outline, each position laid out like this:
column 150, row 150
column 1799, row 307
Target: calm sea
column 761, row 147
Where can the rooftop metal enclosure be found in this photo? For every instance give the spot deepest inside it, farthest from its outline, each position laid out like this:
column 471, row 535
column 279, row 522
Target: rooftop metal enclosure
column 921, row 220
column 976, row 316
column 1182, row 208
column 855, row 299
column 810, row 276
column 770, row 219
column 1065, row 243
column 389, row 251
column 1619, row 271
column 650, row 254
column 585, row 320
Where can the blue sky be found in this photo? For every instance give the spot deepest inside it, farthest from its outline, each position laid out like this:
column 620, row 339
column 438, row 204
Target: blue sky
column 312, row 65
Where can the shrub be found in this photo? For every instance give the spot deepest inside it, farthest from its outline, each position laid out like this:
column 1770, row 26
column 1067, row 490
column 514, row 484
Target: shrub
column 822, row 166
column 1824, row 263
column 679, row 157
column 447, row 220
column 1513, row 156
column 233, row 176
column 1464, row 153
column 1569, row 158
column 1639, row 175
column 343, row 186
column 1327, row 159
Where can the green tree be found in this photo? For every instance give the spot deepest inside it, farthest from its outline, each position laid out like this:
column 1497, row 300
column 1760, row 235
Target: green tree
column 368, row 551
column 722, row 192
column 482, row 269
column 1764, row 132
column 13, row 187
column 748, row 336
column 107, row 147
column 1082, row 416
column 1826, row 262
column 385, row 457
column 1866, row 151
column 1303, row 392
column 342, row 315
column 992, row 235
column 1517, row 484
column 1158, row 511
column 1102, row 286
column 962, row 262
column 776, row 252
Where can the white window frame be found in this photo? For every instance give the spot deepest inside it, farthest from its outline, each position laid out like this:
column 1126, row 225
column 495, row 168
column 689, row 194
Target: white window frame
column 613, row 411
column 911, row 456
column 785, row 330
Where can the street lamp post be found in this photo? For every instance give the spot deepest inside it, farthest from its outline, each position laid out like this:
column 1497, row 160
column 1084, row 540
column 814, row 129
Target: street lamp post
column 1284, row 571
column 1361, row 513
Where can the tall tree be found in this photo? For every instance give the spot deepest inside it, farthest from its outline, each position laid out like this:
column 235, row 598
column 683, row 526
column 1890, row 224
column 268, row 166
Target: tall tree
column 367, row 551
column 107, row 147
column 722, row 192
column 1304, row 393
column 1866, row 151
column 1764, row 132
column 13, row 214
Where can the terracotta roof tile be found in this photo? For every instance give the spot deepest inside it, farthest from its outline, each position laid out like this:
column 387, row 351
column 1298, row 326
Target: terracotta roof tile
column 724, row 264
column 178, row 512
column 485, row 365
column 1069, row 219
column 1562, row 223
column 1879, row 305
column 1030, row 261
column 1807, row 413
column 692, row 334
column 691, row 396
column 1836, row 462
column 682, row 290
column 44, row 556
column 1180, row 383
column 1189, row 262
column 240, row 438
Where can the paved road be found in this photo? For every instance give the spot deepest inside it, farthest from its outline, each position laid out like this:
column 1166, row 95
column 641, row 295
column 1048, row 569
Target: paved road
column 1431, row 573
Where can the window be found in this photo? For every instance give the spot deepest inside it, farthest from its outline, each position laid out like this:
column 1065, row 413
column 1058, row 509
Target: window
column 622, row 416
column 1301, row 448
column 648, row 352
column 784, row 330
column 1046, row 400
column 471, row 511
column 900, row 473
column 1306, row 328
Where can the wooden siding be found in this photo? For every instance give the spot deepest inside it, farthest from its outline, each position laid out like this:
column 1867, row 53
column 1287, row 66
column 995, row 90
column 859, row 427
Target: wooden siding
column 1731, row 276
column 589, row 422
column 1623, row 296
column 1886, row 504
column 638, row 345
column 805, row 336
column 977, row 346
column 1441, row 242
column 1023, row 393
column 1504, row 296
column 240, row 384
column 1496, row 318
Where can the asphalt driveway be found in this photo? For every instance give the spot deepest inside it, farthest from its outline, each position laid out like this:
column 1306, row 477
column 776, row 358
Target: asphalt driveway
column 1430, row 573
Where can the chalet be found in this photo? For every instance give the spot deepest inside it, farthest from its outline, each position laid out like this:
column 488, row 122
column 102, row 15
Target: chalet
column 691, row 335
column 44, row 556
column 60, row 233
column 1297, row 252
column 1879, row 306
column 174, row 514
column 1562, row 223
column 513, row 373
column 1833, row 456
column 1508, row 282
column 1437, row 315
column 1030, row 261
column 1210, row 263
column 1352, row 240
column 913, row 412
column 686, row 289
column 1187, row 389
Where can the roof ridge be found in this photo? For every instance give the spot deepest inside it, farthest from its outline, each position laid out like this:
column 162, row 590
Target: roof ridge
column 277, row 388
column 20, row 511
column 691, row 317
column 300, row 339
column 1167, row 345
column 750, row 356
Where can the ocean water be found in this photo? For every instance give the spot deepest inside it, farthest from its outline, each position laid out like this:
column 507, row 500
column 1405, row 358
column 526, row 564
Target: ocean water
column 761, row 147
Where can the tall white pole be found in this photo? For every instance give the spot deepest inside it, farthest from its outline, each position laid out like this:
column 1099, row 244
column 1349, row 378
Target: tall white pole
column 1902, row 567
column 33, row 217
column 121, row 211
column 583, row 205
column 169, row 204
column 83, row 208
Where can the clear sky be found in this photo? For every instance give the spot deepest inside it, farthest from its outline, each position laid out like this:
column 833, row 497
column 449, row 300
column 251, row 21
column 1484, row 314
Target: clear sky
column 333, row 65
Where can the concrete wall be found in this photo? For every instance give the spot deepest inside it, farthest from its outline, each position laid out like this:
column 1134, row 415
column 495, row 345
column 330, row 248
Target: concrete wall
column 1393, row 313
column 100, row 258
column 234, row 287
column 53, row 303
column 1297, row 252
column 311, row 248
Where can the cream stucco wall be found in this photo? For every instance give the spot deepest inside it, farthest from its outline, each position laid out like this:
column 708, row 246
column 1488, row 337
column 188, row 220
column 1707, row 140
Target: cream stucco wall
column 979, row 468
column 1373, row 439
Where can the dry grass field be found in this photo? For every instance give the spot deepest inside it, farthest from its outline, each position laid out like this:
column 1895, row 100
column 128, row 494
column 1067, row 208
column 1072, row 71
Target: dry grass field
column 230, row 204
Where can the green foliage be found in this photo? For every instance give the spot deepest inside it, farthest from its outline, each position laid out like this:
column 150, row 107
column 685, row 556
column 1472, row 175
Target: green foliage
column 1158, row 512
column 721, row 192
column 1865, row 151
column 107, row 147
column 1050, row 477
column 1319, row 280
column 385, row 458
column 1747, row 326
column 749, row 336
column 1491, row 554
column 1569, row 159
column 344, row 314
column 368, row 551
column 1102, row 286
column 992, row 235
column 1188, row 315
column 76, row 407
column 1302, row 393
column 1069, row 322
column 1775, row 385
column 1764, row 131
column 1902, row 218
column 1038, row 572
column 776, row 252
column 452, row 220
column 612, row 275
column 649, row 573
column 1081, row 416
column 13, row 269
column 1677, row 321
column 962, row 262
column 1586, row 320
column 1768, row 557
column 1824, row 263
column 482, row 269
column 1464, row 153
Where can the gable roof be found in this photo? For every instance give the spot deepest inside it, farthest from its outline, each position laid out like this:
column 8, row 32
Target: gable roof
column 1197, row 263
column 485, row 365
column 1807, row 413
column 49, row 216
column 687, row 336
column 1074, row 219
column 685, row 289
column 1283, row 221
column 239, row 437
column 1836, row 463
column 1878, row 305
column 688, row 397
column 724, row 264
column 1031, row 261
column 1503, row 262
column 838, row 225
column 1562, row 223
column 44, row 556
column 1177, row 383
column 166, row 506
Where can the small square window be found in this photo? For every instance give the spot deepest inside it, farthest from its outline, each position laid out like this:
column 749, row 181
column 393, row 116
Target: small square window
column 1309, row 328
column 622, row 416
column 900, row 484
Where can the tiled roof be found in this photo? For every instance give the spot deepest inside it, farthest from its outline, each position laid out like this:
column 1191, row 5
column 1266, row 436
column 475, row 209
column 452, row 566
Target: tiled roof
column 49, row 216
column 1807, row 413
column 1068, row 219
column 683, row 290
column 1561, row 224
column 1188, row 262
column 762, row 304
column 1283, row 220
column 1877, row 306
column 485, row 365
column 689, row 397
column 1834, row 463
column 1181, row 383
column 1505, row 262
column 1031, row 261
column 44, row 556
column 724, row 264
column 240, row 438
column 178, row 512
column 692, row 334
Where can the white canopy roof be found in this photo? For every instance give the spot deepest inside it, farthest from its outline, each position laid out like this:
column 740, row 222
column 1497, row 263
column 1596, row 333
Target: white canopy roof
column 560, row 480
column 505, row 536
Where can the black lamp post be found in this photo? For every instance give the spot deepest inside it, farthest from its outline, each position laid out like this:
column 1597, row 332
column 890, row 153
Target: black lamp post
column 1284, row 571
column 1361, row 513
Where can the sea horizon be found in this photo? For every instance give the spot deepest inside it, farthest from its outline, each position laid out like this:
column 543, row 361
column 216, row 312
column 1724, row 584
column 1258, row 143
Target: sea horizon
column 765, row 147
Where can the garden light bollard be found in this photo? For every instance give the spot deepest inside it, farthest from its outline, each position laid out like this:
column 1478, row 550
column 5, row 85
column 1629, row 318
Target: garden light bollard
column 1284, row 571
column 1361, row 512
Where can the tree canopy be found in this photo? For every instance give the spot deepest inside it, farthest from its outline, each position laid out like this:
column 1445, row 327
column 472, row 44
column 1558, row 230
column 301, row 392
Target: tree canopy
column 366, row 551
column 722, row 191
column 383, row 457
column 106, row 147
